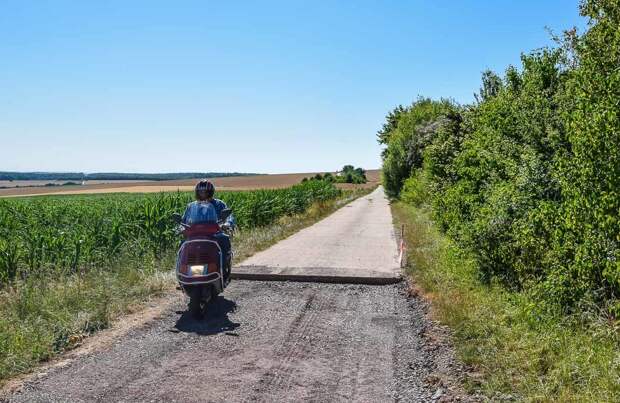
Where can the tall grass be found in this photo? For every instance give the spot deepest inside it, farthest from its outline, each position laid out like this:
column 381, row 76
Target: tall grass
column 515, row 348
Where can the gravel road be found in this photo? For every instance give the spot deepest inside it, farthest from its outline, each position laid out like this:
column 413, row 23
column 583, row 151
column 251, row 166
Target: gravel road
column 270, row 341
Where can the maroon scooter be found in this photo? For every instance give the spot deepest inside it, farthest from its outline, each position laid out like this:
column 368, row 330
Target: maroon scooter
column 202, row 270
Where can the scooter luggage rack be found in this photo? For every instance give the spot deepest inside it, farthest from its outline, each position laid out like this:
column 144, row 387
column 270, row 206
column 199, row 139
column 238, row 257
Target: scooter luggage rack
column 204, row 279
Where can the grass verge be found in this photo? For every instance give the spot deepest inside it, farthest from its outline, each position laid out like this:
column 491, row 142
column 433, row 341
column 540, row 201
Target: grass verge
column 42, row 317
column 517, row 351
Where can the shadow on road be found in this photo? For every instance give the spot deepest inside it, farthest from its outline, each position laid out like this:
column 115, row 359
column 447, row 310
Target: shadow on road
column 215, row 321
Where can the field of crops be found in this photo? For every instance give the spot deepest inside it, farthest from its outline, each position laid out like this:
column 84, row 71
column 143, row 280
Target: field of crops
column 65, row 234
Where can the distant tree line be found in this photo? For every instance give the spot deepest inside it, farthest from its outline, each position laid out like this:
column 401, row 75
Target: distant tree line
column 80, row 176
column 349, row 174
column 527, row 177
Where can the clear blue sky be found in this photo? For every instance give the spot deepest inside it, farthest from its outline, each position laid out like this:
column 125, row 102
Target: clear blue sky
column 261, row 86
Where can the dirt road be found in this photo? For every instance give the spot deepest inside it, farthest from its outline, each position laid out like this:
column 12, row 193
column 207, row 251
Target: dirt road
column 279, row 341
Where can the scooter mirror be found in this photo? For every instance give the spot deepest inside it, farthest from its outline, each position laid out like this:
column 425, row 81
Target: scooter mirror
column 176, row 217
column 225, row 214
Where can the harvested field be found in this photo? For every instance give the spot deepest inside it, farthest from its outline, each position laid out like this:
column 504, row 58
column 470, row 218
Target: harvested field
column 38, row 183
column 275, row 181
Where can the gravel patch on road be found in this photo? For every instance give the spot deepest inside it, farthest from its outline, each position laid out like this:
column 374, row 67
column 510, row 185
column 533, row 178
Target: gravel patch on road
column 266, row 341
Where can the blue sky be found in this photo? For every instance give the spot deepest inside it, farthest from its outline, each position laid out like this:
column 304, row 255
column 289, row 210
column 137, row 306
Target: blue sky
column 269, row 86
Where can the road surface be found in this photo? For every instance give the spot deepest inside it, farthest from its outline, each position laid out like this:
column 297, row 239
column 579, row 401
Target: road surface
column 355, row 244
column 279, row 341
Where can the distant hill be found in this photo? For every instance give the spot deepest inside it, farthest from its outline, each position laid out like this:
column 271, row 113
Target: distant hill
column 80, row 176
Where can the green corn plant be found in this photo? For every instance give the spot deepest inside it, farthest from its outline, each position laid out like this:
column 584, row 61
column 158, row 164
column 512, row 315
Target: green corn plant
column 67, row 234
column 9, row 260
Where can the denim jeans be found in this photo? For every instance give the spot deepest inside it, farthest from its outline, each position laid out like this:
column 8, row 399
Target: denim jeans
column 224, row 241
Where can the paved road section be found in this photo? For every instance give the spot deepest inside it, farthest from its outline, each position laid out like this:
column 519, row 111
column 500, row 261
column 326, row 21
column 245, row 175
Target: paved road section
column 268, row 341
column 355, row 244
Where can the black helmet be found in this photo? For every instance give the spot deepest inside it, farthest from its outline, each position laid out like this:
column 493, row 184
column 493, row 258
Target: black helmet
column 204, row 190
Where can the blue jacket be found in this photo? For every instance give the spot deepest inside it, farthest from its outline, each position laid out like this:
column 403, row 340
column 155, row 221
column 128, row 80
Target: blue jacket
column 206, row 212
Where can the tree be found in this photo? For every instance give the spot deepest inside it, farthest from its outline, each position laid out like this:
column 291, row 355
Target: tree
column 491, row 85
column 415, row 129
column 391, row 121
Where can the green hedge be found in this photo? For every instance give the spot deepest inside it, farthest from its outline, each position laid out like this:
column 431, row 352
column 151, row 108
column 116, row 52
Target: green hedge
column 528, row 177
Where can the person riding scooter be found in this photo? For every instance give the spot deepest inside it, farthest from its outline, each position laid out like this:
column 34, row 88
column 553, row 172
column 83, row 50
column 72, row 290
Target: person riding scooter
column 208, row 209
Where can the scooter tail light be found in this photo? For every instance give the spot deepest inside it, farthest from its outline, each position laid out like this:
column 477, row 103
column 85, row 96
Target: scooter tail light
column 184, row 269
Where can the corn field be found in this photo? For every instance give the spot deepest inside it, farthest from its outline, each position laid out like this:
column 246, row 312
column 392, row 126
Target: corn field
column 68, row 234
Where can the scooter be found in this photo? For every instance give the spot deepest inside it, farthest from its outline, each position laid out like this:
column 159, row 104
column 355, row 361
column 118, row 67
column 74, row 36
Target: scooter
column 201, row 269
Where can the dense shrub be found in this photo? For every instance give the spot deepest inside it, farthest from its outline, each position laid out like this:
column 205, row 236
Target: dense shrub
column 589, row 243
column 412, row 129
column 528, row 177
column 348, row 174
column 504, row 167
column 415, row 189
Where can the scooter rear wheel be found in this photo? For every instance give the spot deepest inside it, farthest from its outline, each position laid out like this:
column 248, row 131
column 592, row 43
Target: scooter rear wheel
column 199, row 298
column 196, row 308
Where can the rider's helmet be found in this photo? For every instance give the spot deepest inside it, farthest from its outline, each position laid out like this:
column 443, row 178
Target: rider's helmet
column 204, row 190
